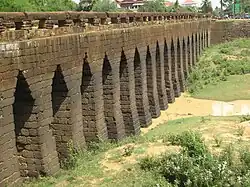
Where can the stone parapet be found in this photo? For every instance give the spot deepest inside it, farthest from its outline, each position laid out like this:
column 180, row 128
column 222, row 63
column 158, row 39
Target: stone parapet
column 29, row 25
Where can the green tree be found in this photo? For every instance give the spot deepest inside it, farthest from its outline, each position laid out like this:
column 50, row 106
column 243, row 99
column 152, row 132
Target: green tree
column 206, row 6
column 86, row 5
column 36, row 5
column 246, row 6
column 153, row 6
column 54, row 5
column 216, row 11
column 176, row 4
column 105, row 6
column 16, row 6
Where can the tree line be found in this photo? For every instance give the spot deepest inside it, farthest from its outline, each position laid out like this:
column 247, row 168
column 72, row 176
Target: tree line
column 111, row 6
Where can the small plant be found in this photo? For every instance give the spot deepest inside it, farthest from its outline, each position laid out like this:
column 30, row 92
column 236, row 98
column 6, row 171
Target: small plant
column 203, row 120
column 218, row 140
column 148, row 163
column 244, row 118
column 128, row 150
column 240, row 130
column 72, row 156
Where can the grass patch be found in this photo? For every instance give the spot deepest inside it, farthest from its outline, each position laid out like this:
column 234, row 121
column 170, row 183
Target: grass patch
column 215, row 67
column 236, row 87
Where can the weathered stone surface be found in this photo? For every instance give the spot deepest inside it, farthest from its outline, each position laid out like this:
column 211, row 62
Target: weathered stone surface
column 66, row 84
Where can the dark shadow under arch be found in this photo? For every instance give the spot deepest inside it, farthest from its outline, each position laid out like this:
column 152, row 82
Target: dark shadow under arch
column 59, row 106
column 175, row 78
column 193, row 44
column 107, row 81
column 160, row 79
column 189, row 54
column 168, row 73
column 127, row 98
column 23, row 120
column 88, row 103
column 184, row 58
column 140, row 94
column 180, row 65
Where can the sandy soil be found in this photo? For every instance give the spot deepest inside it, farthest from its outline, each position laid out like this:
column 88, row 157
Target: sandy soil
column 185, row 106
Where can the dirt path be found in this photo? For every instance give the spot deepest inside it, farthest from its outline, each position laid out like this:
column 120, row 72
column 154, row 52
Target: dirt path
column 186, row 106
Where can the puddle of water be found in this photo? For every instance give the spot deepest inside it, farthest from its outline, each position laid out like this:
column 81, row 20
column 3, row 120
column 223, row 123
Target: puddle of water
column 228, row 109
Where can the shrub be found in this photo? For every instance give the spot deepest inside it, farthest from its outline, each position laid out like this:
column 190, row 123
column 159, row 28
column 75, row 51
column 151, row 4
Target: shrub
column 191, row 142
column 201, row 168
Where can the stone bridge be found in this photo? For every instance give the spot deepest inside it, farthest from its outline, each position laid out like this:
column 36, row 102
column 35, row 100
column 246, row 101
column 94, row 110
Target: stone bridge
column 75, row 77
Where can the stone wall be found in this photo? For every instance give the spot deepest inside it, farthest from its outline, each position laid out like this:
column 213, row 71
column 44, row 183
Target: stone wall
column 79, row 84
column 226, row 30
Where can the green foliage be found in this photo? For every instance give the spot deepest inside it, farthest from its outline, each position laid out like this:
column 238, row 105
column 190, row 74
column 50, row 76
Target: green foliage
column 201, row 168
column 219, row 62
column 245, row 118
column 128, row 150
column 240, row 130
column 191, row 141
column 36, row 5
column 153, row 6
column 86, row 5
column 206, row 6
column 16, row 6
column 218, row 140
column 73, row 155
column 105, row 6
column 176, row 4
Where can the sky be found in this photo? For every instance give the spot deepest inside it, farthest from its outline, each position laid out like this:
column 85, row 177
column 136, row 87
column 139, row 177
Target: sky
column 214, row 2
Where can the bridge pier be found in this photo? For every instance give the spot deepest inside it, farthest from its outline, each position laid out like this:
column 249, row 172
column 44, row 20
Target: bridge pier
column 111, row 95
column 185, row 58
column 9, row 172
column 94, row 125
column 180, row 62
column 67, row 123
column 127, row 92
column 189, row 53
column 194, row 49
column 208, row 38
column 203, row 40
column 174, row 69
column 151, row 82
column 36, row 147
column 160, row 75
column 168, row 73
column 197, row 47
column 141, row 95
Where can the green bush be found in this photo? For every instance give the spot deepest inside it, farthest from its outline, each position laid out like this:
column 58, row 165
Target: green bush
column 191, row 142
column 218, row 62
column 200, row 168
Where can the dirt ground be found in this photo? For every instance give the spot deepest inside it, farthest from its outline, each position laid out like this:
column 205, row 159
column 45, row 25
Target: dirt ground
column 186, row 106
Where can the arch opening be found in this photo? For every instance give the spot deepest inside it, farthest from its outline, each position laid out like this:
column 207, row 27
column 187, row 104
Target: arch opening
column 60, row 123
column 25, row 127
